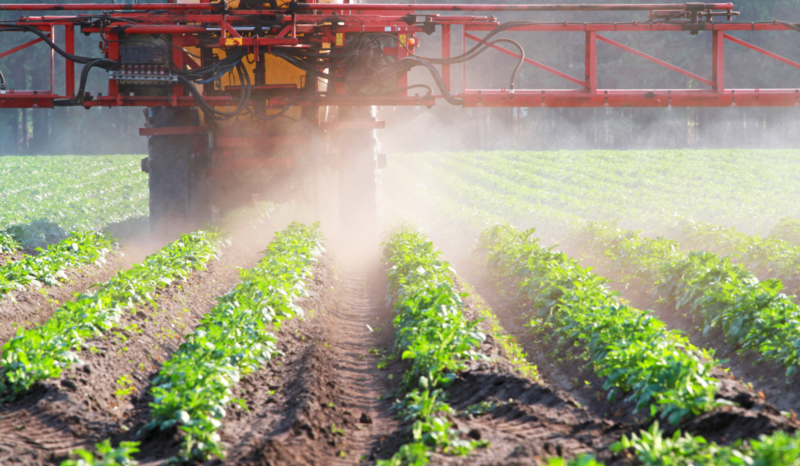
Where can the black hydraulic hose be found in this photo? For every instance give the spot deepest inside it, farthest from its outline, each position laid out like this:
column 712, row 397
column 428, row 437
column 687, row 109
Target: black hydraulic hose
column 519, row 63
column 439, row 83
column 2, row 82
column 407, row 88
column 209, row 110
column 79, row 97
column 75, row 58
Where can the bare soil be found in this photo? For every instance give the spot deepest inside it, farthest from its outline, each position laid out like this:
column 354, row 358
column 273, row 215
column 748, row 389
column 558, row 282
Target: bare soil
column 325, row 402
column 533, row 420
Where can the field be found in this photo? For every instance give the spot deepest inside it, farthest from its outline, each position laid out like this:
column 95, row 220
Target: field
column 557, row 308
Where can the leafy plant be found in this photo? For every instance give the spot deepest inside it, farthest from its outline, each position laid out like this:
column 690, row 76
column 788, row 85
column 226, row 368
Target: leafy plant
column 196, row 384
column 50, row 266
column 106, row 455
column 45, row 195
column 125, row 385
column 657, row 368
column 47, row 350
column 432, row 332
column 752, row 314
column 8, row 244
column 653, row 449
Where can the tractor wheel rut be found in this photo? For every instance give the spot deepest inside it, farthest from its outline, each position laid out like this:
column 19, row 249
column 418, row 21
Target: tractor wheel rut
column 320, row 403
column 361, row 326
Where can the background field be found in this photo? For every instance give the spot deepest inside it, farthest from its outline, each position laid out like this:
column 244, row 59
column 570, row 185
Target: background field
column 46, row 197
column 554, row 190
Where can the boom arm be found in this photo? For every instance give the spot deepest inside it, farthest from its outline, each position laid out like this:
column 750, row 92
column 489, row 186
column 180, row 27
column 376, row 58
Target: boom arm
column 356, row 54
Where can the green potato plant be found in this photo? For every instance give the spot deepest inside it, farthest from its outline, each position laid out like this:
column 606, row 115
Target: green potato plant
column 45, row 351
column 194, row 387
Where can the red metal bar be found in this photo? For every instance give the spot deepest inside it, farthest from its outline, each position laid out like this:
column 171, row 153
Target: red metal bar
column 511, row 7
column 532, row 62
column 20, row 47
column 591, row 61
column 52, row 63
column 718, row 61
column 464, row 64
column 107, row 7
column 655, row 60
column 69, row 46
column 632, row 98
column 251, row 142
column 645, row 27
column 189, row 60
column 113, row 54
column 761, row 51
column 446, row 54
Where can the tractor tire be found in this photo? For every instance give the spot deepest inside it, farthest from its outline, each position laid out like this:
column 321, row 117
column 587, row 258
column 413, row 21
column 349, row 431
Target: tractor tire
column 179, row 197
column 359, row 152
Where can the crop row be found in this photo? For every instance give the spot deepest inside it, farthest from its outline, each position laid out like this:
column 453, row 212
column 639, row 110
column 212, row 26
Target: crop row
column 626, row 345
column 45, row 351
column 8, row 244
column 754, row 315
column 653, row 449
column 787, row 229
column 50, row 266
column 658, row 368
column 196, row 384
column 767, row 257
column 431, row 332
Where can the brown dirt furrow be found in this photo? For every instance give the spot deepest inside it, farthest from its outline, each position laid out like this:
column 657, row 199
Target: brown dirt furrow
column 319, row 404
column 33, row 306
column 530, row 422
column 83, row 406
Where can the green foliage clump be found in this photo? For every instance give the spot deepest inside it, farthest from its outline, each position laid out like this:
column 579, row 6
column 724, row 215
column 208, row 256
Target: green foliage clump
column 194, row 387
column 50, row 266
column 653, row 449
column 754, row 315
column 787, row 229
column 432, row 332
column 45, row 196
column 658, row 368
column 106, row 455
column 8, row 244
column 45, row 351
